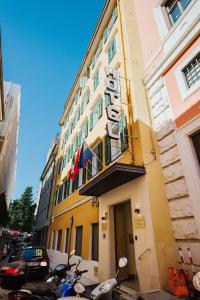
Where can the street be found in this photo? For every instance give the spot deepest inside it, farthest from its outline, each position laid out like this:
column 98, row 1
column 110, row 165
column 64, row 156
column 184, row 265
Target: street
column 34, row 284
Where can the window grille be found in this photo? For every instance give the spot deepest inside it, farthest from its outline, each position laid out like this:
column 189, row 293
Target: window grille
column 192, row 71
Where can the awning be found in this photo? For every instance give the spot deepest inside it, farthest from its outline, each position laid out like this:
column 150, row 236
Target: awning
column 111, row 178
column 3, row 210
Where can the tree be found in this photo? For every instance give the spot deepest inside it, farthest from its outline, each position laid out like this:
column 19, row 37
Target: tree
column 22, row 210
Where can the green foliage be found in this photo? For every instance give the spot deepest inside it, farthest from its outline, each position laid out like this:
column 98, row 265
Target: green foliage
column 21, row 212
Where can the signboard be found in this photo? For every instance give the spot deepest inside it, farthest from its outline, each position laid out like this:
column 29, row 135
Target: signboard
column 113, row 111
column 139, row 221
column 104, row 226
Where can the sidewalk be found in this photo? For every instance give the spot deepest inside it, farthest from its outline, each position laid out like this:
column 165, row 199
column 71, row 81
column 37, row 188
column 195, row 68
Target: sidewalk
column 129, row 294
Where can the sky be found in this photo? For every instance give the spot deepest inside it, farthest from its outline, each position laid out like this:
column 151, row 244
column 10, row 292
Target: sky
column 43, row 43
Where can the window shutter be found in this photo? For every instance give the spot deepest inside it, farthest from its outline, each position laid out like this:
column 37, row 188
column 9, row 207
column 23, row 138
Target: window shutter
column 124, row 134
column 105, row 35
column 87, row 96
column 99, row 108
column 86, row 128
column 89, row 170
column 76, row 181
column 81, row 108
column 106, row 100
column 107, row 149
column 84, row 176
column 91, row 120
column 100, row 156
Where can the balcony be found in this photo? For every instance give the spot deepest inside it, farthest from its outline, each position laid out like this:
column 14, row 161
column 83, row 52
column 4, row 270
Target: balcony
column 111, row 178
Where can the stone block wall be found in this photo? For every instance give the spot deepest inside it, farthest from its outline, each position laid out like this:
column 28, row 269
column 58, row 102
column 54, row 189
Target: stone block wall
column 180, row 205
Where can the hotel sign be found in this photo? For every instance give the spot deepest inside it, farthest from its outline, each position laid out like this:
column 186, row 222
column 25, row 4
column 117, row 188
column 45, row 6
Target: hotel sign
column 113, row 111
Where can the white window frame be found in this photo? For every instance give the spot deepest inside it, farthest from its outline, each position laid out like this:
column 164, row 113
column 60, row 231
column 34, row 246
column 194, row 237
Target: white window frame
column 185, row 91
column 162, row 18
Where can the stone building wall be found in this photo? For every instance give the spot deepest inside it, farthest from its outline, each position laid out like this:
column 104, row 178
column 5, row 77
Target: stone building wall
column 181, row 210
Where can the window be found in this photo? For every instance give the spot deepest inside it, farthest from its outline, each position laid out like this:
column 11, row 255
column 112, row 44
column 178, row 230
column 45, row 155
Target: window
column 59, row 240
column 67, row 240
column 112, row 50
column 196, row 143
column 110, row 25
column 192, row 71
column 95, row 241
column 96, row 80
column 78, row 242
column 175, row 8
column 96, row 113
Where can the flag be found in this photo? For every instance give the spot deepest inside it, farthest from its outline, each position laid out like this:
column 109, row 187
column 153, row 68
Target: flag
column 74, row 167
column 85, row 155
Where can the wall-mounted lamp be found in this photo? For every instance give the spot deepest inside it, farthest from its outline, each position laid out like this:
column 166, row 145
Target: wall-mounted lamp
column 137, row 209
column 94, row 201
column 104, row 216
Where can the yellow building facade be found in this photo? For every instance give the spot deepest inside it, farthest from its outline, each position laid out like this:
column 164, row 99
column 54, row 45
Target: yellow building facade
column 116, row 206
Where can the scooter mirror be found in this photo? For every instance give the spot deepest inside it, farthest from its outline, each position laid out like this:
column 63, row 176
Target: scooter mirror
column 196, row 281
column 72, row 252
column 123, row 262
column 79, row 288
column 50, row 279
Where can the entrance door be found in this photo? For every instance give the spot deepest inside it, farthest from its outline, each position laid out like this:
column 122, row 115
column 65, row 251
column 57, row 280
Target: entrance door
column 124, row 243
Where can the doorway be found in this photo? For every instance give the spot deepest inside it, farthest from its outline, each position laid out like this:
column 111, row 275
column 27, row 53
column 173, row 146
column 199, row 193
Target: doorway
column 124, row 244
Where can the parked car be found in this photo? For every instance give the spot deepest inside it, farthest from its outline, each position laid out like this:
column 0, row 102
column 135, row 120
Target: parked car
column 36, row 258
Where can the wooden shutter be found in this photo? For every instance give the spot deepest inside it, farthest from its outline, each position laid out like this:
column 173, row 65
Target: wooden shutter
column 84, row 176
column 124, row 134
column 106, row 100
column 91, row 120
column 89, row 170
column 99, row 107
column 86, row 128
column 100, row 156
column 107, row 148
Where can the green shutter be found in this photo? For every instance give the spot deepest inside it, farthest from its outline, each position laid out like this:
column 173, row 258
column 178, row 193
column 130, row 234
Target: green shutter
column 106, row 100
column 86, row 128
column 99, row 107
column 84, row 176
column 124, row 133
column 89, row 170
column 79, row 138
column 100, row 156
column 81, row 107
column 91, row 120
column 107, row 149
column 114, row 14
column 105, row 35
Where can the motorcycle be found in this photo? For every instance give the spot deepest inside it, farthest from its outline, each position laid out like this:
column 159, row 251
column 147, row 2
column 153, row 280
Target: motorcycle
column 103, row 291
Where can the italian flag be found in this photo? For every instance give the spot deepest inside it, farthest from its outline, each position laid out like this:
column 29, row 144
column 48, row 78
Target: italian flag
column 74, row 167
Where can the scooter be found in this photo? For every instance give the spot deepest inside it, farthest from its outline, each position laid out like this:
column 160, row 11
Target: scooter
column 58, row 275
column 66, row 287
column 196, row 285
column 103, row 291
